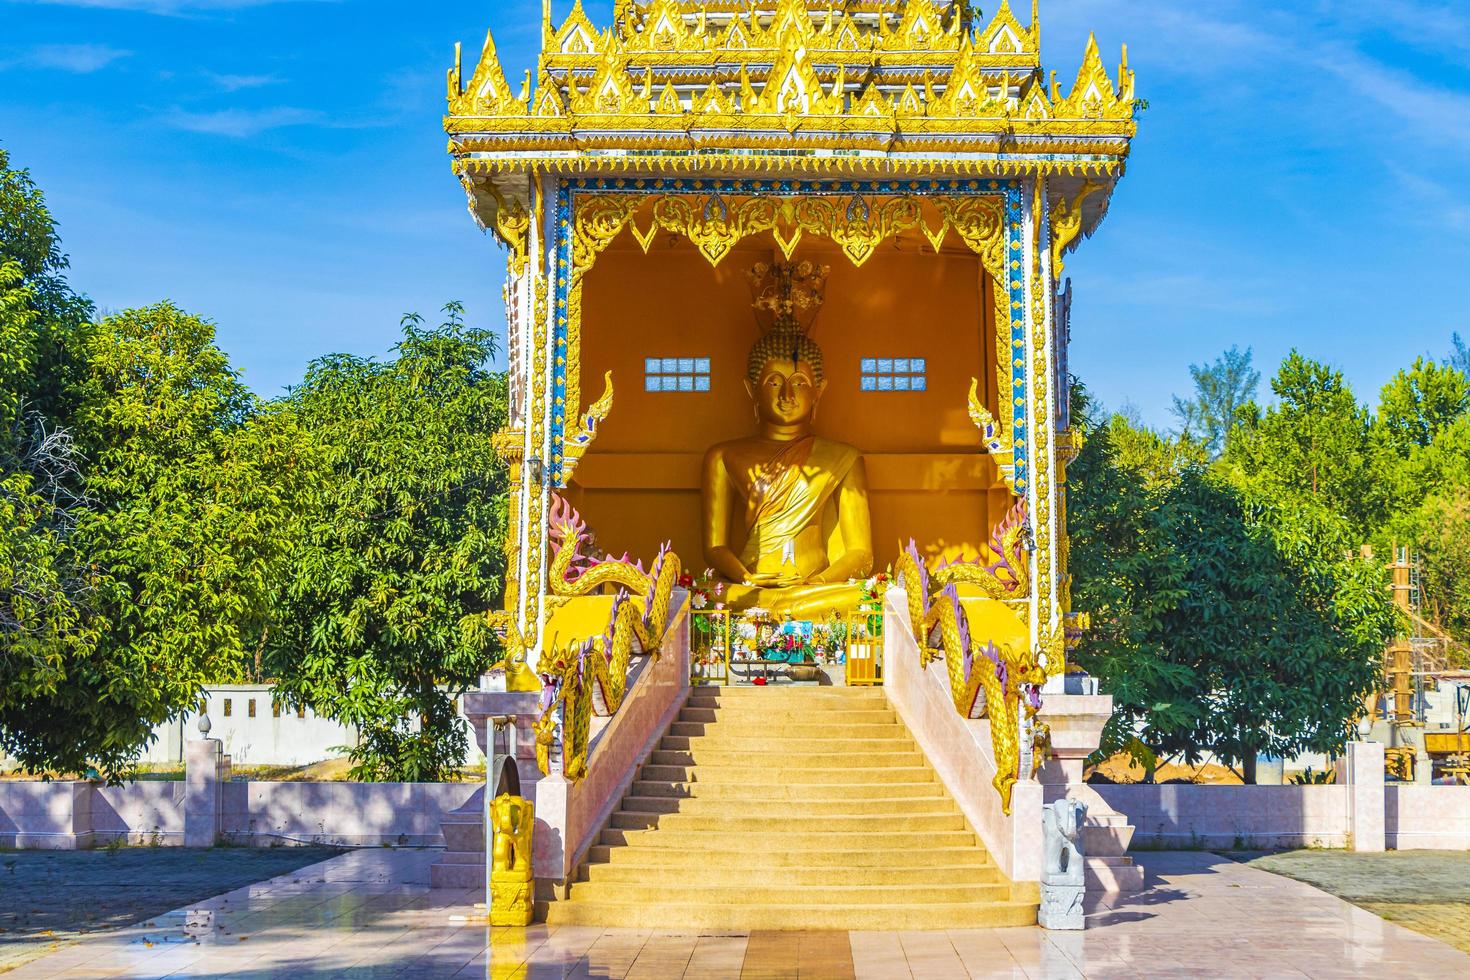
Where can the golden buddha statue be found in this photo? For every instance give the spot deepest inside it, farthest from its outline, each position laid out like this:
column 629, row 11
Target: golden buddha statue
column 785, row 514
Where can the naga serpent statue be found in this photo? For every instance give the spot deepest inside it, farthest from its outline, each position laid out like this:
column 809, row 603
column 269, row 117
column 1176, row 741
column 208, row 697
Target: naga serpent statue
column 1009, row 675
column 591, row 676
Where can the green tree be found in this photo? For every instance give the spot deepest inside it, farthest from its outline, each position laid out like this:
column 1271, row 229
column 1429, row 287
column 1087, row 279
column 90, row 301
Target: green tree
column 1312, row 445
column 400, row 537
column 1223, row 621
column 29, row 245
column 39, row 617
column 179, row 538
column 1221, row 390
column 1418, row 404
column 1459, row 358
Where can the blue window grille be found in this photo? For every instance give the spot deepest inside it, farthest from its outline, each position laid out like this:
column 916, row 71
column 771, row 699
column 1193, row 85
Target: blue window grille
column 894, row 374
column 676, row 374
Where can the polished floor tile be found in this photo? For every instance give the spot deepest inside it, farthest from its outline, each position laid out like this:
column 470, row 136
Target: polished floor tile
column 370, row 914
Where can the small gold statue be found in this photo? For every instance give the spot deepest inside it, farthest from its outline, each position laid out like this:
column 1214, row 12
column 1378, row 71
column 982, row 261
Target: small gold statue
column 512, row 885
column 800, row 502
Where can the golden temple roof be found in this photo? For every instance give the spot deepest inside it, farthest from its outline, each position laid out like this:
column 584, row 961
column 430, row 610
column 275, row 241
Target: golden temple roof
column 898, row 86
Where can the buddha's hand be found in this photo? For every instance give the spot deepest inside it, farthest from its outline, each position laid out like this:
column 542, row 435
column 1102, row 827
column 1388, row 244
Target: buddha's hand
column 772, row 580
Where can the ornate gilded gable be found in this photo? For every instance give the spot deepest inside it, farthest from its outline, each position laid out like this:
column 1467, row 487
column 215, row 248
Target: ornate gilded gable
column 753, row 81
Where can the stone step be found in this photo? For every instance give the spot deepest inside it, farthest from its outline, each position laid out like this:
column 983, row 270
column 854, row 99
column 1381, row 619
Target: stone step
column 793, row 762
column 747, row 918
column 691, row 890
column 771, row 716
column 790, row 748
column 758, row 729
column 734, row 873
column 814, row 842
column 754, row 825
column 757, row 807
column 777, row 855
column 797, row 794
column 458, row 869
column 1107, row 841
column 1115, row 875
column 797, row 694
column 680, row 768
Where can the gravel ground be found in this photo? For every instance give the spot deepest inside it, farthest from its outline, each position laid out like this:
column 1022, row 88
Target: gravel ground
column 1427, row 891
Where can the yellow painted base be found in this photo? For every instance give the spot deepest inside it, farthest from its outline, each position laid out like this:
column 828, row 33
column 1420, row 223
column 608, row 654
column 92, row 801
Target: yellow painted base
column 511, row 900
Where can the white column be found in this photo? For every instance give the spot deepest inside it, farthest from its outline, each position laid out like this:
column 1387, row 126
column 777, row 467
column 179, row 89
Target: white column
column 1362, row 770
column 204, row 767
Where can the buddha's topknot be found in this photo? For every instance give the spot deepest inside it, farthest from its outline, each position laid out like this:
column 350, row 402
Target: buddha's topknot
column 784, row 346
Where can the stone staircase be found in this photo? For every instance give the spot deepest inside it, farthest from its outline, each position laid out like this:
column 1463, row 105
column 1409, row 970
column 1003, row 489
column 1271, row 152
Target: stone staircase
column 790, row 808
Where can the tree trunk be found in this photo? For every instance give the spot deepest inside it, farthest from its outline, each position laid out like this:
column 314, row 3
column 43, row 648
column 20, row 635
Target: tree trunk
column 1248, row 767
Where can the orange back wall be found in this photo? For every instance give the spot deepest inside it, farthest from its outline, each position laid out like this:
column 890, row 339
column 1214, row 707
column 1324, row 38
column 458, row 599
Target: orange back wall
column 639, row 485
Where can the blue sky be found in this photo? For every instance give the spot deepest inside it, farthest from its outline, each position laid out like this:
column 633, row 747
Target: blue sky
column 278, row 166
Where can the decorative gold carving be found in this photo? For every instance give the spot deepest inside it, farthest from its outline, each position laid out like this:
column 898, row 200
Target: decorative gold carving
column 1066, row 225
column 963, row 96
column 1046, row 495
column 513, row 228
column 1000, row 450
column 858, row 224
column 580, row 441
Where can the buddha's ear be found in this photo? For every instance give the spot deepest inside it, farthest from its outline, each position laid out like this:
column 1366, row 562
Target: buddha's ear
column 749, row 387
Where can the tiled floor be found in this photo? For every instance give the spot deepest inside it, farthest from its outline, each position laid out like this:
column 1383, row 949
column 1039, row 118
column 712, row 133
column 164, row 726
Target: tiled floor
column 370, row 914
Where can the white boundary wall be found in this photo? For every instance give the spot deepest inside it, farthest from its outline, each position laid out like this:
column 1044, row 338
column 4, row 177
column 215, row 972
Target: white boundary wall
column 254, row 733
column 71, row 815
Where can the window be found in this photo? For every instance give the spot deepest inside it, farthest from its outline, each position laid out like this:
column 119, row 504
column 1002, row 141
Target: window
column 250, row 708
column 676, row 374
column 895, row 374
column 229, row 706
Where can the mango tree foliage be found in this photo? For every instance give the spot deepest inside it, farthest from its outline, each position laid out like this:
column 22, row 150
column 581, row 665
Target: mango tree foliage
column 30, row 246
column 399, row 538
column 1224, row 621
column 39, row 618
column 180, row 537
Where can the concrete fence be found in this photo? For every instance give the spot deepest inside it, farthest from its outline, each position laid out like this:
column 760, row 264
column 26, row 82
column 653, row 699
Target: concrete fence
column 1360, row 811
column 206, row 808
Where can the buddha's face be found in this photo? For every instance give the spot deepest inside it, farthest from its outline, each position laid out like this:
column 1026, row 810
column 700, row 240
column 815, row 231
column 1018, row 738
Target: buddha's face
column 787, row 393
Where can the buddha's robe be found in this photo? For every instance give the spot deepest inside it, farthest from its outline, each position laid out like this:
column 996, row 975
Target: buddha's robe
column 790, row 495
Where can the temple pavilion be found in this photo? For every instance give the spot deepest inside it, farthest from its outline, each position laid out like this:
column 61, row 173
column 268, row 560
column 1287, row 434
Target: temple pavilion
column 785, row 300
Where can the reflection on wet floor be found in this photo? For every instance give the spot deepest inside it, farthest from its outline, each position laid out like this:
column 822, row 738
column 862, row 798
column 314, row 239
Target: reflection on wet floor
column 371, row 914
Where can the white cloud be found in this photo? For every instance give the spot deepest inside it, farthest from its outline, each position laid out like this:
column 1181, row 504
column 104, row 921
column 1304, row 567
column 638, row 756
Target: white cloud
column 81, row 59
column 242, row 123
column 236, row 83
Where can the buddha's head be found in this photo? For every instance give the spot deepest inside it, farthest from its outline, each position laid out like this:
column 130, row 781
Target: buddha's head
column 784, row 372
column 785, row 380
